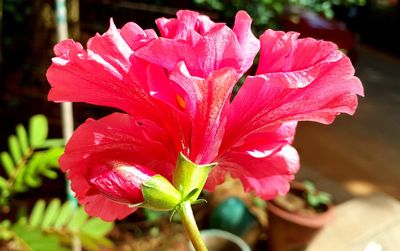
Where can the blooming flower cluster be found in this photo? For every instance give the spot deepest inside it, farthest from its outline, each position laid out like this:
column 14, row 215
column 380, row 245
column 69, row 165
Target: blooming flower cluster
column 175, row 92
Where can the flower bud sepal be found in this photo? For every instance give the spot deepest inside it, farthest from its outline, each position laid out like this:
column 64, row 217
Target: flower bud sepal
column 159, row 194
column 190, row 178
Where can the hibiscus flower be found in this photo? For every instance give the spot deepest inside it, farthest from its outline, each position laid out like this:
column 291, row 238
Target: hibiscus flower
column 175, row 91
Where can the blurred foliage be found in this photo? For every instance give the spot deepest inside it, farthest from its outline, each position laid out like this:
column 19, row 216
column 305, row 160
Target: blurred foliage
column 314, row 197
column 266, row 13
column 53, row 227
column 30, row 157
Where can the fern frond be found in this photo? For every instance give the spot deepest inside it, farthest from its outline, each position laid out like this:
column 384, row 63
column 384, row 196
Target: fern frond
column 30, row 157
column 60, row 221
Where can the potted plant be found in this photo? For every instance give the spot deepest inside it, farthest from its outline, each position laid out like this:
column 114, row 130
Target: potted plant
column 295, row 218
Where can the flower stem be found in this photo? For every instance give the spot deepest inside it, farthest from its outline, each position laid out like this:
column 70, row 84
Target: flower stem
column 187, row 217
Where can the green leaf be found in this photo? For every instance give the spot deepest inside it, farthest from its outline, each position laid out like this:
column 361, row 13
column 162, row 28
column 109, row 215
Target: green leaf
column 36, row 240
column 52, row 155
column 7, row 163
column 65, row 214
column 14, row 148
column 53, row 143
column 3, row 183
column 309, row 186
column 324, row 198
column 4, row 191
column 57, row 224
column 88, row 242
column 51, row 214
column 22, row 136
column 31, row 174
column 38, row 130
column 97, row 228
column 313, row 201
column 93, row 244
column 37, row 213
column 49, row 174
column 23, row 164
column 78, row 219
column 32, row 180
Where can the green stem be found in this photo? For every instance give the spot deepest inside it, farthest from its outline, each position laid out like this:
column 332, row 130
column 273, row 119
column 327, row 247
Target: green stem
column 187, row 217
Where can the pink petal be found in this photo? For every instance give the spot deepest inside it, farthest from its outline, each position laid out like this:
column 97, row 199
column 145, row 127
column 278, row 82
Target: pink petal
column 167, row 53
column 286, row 60
column 266, row 176
column 178, row 28
column 249, row 43
column 204, row 46
column 322, row 91
column 112, row 48
column 103, row 74
column 108, row 210
column 263, row 141
column 135, row 37
column 117, row 137
column 209, row 100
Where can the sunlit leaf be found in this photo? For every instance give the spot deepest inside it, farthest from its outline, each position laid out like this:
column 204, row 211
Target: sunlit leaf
column 65, row 214
column 38, row 130
column 3, row 184
column 22, row 136
column 15, row 149
column 7, row 163
column 53, row 143
column 78, row 219
column 95, row 227
column 37, row 213
column 36, row 240
column 51, row 214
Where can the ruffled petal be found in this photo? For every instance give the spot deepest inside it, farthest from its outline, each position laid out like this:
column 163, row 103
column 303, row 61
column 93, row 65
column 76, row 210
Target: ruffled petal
column 117, row 137
column 266, row 176
column 262, row 141
column 180, row 27
column 249, row 43
column 288, row 61
column 204, row 46
column 104, row 74
column 317, row 93
column 135, row 36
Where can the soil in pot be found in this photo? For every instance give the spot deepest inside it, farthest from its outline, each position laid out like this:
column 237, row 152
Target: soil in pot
column 292, row 223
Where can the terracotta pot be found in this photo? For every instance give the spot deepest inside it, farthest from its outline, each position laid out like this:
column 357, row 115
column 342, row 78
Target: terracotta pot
column 219, row 240
column 289, row 231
